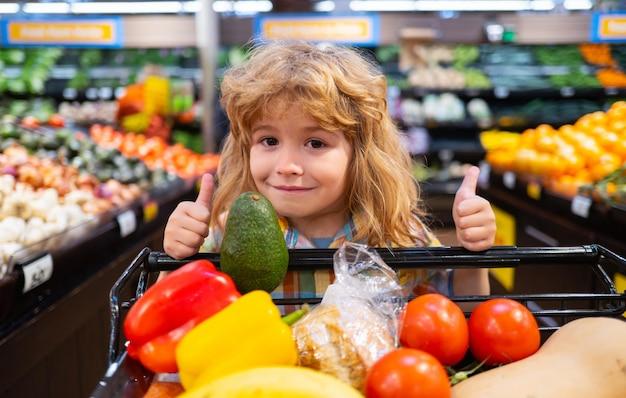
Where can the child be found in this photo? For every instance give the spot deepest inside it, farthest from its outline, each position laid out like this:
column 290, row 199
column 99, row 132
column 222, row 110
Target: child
column 311, row 132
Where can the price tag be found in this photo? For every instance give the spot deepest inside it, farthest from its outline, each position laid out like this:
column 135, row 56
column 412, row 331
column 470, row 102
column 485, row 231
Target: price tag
column 567, row 92
column 533, row 190
column 483, row 177
column 501, row 92
column 150, row 211
column 508, row 179
column 581, row 205
column 127, row 222
column 105, row 93
column 37, row 272
column 70, row 93
column 91, row 93
column 611, row 91
column 119, row 92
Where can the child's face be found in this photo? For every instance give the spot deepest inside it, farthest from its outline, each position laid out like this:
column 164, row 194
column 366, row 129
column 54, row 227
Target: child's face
column 301, row 168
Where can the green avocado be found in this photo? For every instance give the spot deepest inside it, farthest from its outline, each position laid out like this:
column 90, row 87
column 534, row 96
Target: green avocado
column 253, row 251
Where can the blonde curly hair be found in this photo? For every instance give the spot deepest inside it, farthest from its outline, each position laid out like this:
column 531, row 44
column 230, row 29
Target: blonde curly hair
column 344, row 92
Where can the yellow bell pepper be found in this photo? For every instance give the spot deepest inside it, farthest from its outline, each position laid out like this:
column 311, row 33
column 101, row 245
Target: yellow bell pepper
column 246, row 334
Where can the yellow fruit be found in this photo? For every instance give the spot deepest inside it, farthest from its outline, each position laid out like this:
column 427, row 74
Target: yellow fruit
column 275, row 382
column 546, row 143
column 607, row 163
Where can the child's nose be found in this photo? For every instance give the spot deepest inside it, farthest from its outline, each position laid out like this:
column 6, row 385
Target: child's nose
column 288, row 164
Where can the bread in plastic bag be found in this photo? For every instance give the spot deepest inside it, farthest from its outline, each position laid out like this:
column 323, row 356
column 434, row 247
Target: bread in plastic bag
column 358, row 320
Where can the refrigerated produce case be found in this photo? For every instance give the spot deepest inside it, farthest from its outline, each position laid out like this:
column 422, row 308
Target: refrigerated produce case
column 553, row 308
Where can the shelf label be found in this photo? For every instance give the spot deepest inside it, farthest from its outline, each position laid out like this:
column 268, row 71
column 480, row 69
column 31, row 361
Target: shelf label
column 581, row 205
column 483, row 177
column 611, row 91
column 150, row 211
column 533, row 190
column 361, row 30
column 508, row 179
column 501, row 92
column 127, row 222
column 567, row 92
column 70, row 93
column 67, row 32
column 37, row 272
column 609, row 27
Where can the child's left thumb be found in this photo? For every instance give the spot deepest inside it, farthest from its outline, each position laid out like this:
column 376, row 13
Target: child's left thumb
column 468, row 186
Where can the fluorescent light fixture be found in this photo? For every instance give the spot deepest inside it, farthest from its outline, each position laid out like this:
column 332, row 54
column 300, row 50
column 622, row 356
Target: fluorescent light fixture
column 382, row 5
column 324, row 6
column 9, row 8
column 243, row 6
column 128, row 7
column 484, row 5
column 578, row 4
column 46, row 8
column 191, row 6
column 453, row 5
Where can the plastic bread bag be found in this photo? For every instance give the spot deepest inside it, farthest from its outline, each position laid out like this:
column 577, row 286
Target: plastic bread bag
column 358, row 320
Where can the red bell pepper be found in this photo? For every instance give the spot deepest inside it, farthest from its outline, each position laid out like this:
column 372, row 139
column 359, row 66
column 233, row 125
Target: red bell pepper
column 172, row 307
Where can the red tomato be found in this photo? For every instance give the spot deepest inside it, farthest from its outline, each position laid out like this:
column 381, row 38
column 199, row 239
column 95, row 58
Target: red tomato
column 407, row 373
column 30, row 122
column 56, row 121
column 502, row 331
column 436, row 325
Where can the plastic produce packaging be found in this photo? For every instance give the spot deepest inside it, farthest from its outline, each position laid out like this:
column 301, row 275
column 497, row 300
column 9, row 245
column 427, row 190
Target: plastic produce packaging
column 358, row 320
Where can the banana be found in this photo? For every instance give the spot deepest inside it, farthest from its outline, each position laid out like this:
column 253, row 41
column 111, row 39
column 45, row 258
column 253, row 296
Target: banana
column 275, row 382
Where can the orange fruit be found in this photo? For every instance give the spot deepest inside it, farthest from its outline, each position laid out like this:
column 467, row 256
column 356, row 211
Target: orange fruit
column 609, row 140
column 607, row 163
column 598, row 118
column 546, row 143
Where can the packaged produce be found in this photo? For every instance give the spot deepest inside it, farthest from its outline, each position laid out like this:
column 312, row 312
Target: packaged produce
column 358, row 320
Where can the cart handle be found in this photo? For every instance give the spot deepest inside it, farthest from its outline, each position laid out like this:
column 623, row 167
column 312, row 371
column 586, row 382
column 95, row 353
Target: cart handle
column 431, row 257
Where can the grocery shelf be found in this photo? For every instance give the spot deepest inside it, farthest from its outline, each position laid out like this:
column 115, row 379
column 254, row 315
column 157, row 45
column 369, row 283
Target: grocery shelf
column 608, row 218
column 74, row 262
column 504, row 93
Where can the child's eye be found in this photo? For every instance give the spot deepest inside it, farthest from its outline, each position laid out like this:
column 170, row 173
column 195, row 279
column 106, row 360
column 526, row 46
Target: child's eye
column 316, row 144
column 269, row 141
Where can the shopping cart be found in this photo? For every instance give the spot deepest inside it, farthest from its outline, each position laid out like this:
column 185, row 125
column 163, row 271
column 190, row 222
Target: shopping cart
column 127, row 378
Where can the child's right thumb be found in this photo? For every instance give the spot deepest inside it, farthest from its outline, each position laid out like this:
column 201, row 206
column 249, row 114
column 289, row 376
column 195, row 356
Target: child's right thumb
column 206, row 191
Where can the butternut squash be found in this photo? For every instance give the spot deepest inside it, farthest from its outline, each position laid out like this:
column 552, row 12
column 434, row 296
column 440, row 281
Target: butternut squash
column 585, row 358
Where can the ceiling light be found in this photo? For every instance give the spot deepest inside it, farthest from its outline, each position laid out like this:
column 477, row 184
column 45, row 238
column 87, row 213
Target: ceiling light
column 578, row 4
column 382, row 5
column 46, row 8
column 483, row 5
column 243, row 6
column 128, row 7
column 9, row 8
column 324, row 6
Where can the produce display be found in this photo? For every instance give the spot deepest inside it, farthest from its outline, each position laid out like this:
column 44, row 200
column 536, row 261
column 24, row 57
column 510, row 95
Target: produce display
column 439, row 67
column 364, row 339
column 612, row 188
column 89, row 112
column 41, row 197
column 155, row 153
column 444, row 109
column 25, row 71
column 78, row 150
column 567, row 158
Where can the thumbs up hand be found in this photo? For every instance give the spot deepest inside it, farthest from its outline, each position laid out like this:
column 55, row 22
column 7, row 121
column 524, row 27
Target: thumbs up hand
column 473, row 217
column 188, row 225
